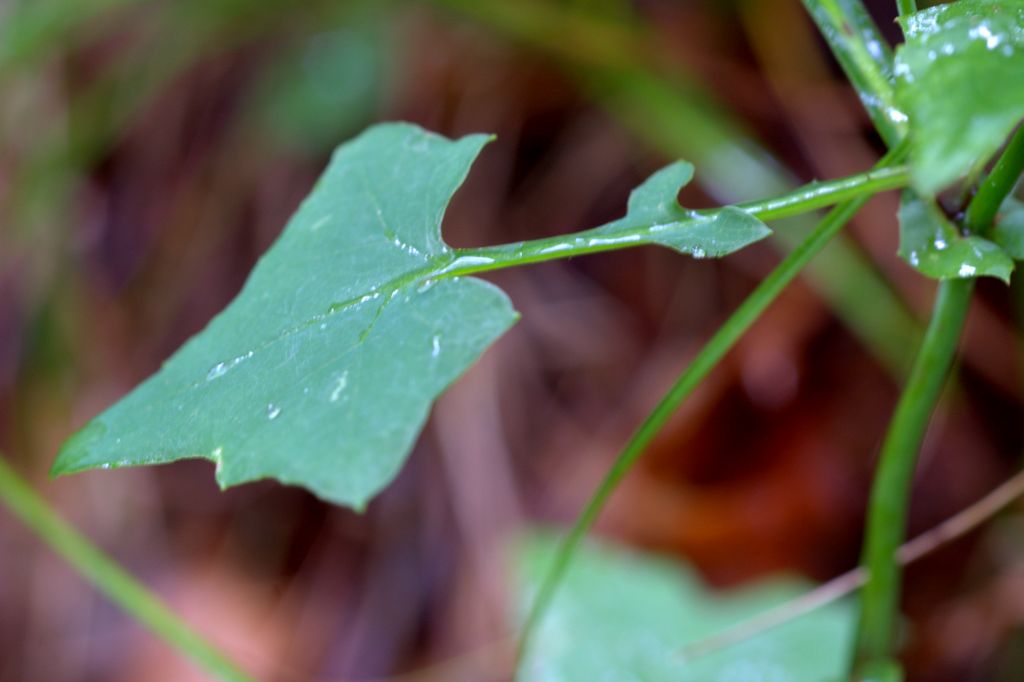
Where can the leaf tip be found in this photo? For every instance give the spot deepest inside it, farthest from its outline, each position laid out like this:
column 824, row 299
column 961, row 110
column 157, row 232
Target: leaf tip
column 75, row 454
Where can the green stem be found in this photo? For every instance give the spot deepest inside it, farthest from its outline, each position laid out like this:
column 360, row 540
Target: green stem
column 865, row 57
column 808, row 198
column 702, row 364
column 109, row 578
column 890, row 493
column 981, row 212
column 888, row 505
column 906, row 7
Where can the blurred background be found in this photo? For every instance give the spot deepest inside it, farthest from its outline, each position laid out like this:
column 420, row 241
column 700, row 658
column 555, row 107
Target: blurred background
column 151, row 151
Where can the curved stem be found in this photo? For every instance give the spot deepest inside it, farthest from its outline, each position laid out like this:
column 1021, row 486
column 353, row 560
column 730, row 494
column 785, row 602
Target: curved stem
column 890, row 493
column 109, row 578
column 807, row 198
column 889, row 496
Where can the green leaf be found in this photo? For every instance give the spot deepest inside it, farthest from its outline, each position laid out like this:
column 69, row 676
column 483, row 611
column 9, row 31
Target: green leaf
column 622, row 616
column 959, row 78
column 706, row 234
column 322, row 371
column 1008, row 231
column 933, row 246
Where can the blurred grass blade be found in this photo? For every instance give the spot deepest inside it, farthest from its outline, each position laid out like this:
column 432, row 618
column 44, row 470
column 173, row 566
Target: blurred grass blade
column 866, row 60
column 109, row 578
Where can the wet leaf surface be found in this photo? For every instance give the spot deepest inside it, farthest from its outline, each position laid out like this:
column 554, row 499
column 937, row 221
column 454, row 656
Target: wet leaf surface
column 933, row 246
column 322, row 371
column 959, row 79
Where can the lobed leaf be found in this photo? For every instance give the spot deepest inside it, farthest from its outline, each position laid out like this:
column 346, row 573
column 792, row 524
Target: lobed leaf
column 323, row 369
column 959, row 79
column 321, row 372
column 620, row 615
column 933, row 246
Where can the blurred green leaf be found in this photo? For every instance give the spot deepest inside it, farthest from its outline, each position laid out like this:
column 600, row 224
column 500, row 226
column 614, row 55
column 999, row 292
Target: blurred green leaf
column 959, row 78
column 622, row 616
column 934, row 247
column 321, row 372
column 324, row 89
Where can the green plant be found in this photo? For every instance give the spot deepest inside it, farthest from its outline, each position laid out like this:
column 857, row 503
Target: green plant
column 322, row 371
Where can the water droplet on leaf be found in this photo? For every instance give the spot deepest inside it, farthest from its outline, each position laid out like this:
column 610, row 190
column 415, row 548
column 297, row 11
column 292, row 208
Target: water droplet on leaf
column 339, row 386
column 218, row 370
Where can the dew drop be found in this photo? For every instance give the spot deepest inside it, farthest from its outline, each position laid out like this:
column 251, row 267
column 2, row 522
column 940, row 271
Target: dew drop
column 966, row 270
column 273, row 411
column 698, row 253
column 940, row 243
column 218, row 370
column 436, row 346
column 896, row 116
column 339, row 386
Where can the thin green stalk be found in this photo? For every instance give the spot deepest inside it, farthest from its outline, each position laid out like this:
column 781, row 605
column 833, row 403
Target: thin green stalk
column 906, row 7
column 981, row 212
column 808, row 198
column 888, row 504
column 109, row 578
column 890, row 493
column 866, row 60
column 702, row 364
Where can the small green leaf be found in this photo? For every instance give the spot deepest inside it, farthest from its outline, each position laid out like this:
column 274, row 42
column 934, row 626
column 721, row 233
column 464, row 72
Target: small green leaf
column 701, row 234
column 622, row 616
column 1009, row 229
column 959, row 78
column 934, row 247
column 321, row 372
